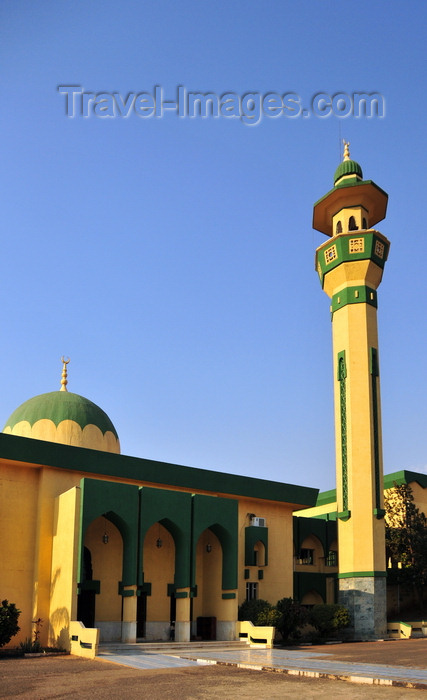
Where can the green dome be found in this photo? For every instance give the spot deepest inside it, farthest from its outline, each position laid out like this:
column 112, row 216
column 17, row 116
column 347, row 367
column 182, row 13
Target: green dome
column 348, row 167
column 62, row 405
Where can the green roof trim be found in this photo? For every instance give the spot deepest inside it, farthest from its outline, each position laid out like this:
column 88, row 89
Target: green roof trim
column 348, row 167
column 351, row 183
column 86, row 461
column 62, row 405
column 405, row 477
column 326, row 497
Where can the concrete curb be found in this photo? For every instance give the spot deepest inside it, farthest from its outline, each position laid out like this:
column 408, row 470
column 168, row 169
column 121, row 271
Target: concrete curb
column 367, row 680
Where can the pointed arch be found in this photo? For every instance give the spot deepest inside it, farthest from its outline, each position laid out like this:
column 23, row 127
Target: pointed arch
column 220, row 516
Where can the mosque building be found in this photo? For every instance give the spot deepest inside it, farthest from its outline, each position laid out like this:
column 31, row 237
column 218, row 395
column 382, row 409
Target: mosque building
column 133, row 547
column 141, row 549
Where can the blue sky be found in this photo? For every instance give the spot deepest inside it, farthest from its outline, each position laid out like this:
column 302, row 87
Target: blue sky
column 173, row 259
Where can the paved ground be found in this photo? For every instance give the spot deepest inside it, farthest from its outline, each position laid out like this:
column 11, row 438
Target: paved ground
column 400, row 663
column 70, row 677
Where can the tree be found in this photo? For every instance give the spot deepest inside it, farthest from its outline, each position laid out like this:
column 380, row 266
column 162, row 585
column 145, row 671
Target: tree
column 292, row 616
column 329, row 619
column 9, row 614
column 406, row 537
column 251, row 610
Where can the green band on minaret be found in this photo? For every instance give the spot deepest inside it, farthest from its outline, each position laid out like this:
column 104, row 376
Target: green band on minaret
column 354, row 295
column 342, row 375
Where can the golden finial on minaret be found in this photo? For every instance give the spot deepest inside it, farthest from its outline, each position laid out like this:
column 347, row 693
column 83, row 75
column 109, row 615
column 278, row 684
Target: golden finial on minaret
column 346, row 155
column 64, row 380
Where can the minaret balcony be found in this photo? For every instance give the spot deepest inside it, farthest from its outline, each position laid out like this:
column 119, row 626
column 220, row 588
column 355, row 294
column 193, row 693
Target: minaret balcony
column 350, row 247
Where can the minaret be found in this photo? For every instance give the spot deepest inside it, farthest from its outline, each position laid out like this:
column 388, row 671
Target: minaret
column 350, row 267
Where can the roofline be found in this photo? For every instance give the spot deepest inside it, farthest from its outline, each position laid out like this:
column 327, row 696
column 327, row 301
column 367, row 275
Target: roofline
column 405, row 477
column 81, row 459
column 402, row 477
column 346, row 183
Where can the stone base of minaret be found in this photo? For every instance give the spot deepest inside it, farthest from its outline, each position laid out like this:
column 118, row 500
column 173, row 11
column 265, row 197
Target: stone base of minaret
column 366, row 599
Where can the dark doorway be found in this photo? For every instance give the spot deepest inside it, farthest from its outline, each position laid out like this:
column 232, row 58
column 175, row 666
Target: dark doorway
column 141, row 615
column 86, row 597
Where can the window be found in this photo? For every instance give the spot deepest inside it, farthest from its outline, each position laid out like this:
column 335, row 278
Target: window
column 352, row 224
column 330, row 254
column 338, row 228
column 332, row 558
column 251, row 591
column 356, row 245
column 379, row 249
column 306, row 556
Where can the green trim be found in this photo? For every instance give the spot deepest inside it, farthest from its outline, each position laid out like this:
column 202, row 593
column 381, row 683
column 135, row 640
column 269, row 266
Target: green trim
column 351, row 183
column 260, row 574
column 220, row 515
column 399, row 622
column 379, row 513
column 331, row 517
column 85, row 461
column 405, row 477
column 342, row 374
column 341, row 370
column 326, row 497
column 322, row 528
column 253, row 535
column 360, row 294
column 344, row 515
column 342, row 251
column 172, row 509
column 305, row 581
column 144, row 589
column 373, row 361
column 58, row 406
column 181, row 594
column 247, row 574
column 124, row 593
column 91, row 585
column 228, row 596
column 363, row 574
column 118, row 503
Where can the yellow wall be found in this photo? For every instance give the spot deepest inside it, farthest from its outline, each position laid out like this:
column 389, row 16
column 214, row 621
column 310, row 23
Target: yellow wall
column 65, row 548
column 159, row 570
column 208, row 577
column 38, row 510
column 107, row 568
column 18, row 514
column 278, row 574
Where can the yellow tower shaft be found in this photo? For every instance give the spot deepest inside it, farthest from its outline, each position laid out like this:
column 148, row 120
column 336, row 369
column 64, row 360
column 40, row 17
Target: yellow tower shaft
column 350, row 267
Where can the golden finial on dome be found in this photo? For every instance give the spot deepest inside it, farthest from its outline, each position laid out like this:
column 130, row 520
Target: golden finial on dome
column 346, row 155
column 64, row 380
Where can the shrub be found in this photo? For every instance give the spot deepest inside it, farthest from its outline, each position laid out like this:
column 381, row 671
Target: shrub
column 329, row 619
column 251, row 610
column 9, row 614
column 292, row 616
column 268, row 617
column 30, row 647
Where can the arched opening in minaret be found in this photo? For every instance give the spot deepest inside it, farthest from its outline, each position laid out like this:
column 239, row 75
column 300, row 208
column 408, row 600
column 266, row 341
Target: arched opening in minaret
column 364, row 223
column 338, row 228
column 352, row 226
